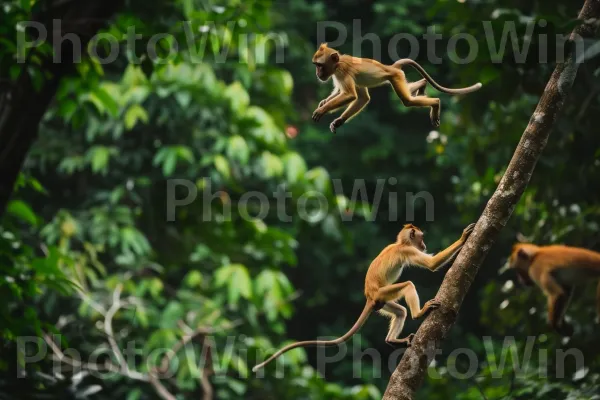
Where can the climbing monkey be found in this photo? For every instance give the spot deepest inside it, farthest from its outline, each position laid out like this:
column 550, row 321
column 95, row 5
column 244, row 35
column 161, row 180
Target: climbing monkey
column 556, row 270
column 353, row 76
column 382, row 293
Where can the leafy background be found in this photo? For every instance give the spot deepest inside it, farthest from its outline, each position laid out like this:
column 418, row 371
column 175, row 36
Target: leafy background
column 88, row 217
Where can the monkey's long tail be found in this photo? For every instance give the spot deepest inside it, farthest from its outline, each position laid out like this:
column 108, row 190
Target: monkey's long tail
column 414, row 64
column 357, row 325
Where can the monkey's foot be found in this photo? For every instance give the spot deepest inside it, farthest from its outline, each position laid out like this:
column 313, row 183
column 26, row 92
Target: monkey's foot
column 397, row 343
column 319, row 112
column 336, row 124
column 434, row 115
column 429, row 306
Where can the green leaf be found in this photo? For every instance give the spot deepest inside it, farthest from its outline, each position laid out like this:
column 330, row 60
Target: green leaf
column 320, row 177
column 237, row 149
column 133, row 241
column 193, row 279
column 37, row 186
column 135, row 394
column 98, row 157
column 172, row 313
column 133, row 114
column 238, row 282
column 238, row 97
column 183, row 98
column 239, row 364
column 222, row 166
column 21, row 210
column 26, row 5
column 185, row 153
column 110, row 104
column 96, row 101
column 270, row 165
column 295, row 166
column 168, row 156
column 67, row 108
column 287, row 82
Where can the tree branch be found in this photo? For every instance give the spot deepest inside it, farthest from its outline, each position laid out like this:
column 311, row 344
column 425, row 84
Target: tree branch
column 22, row 104
column 410, row 373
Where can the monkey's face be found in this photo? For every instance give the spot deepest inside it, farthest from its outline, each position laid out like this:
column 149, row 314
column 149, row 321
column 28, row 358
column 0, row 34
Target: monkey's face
column 320, row 71
column 325, row 61
column 416, row 238
column 520, row 261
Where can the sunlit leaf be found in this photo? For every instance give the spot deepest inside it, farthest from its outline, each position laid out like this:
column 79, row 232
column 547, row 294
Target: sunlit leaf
column 21, row 210
column 134, row 114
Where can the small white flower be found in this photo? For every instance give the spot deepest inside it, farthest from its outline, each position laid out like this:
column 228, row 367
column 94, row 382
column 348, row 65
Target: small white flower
column 433, row 135
column 580, row 373
column 508, row 285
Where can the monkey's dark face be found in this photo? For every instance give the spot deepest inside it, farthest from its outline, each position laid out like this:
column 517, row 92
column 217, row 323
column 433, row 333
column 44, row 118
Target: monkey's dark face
column 520, row 261
column 325, row 61
column 321, row 71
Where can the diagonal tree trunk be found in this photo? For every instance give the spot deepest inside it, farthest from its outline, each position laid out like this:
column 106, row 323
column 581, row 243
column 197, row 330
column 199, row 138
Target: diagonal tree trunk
column 410, row 373
column 21, row 105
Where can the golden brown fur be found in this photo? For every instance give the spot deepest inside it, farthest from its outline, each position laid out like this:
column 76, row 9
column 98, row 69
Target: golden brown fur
column 556, row 269
column 353, row 76
column 382, row 293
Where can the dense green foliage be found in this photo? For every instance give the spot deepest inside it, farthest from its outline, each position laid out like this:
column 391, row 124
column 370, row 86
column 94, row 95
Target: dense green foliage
column 89, row 228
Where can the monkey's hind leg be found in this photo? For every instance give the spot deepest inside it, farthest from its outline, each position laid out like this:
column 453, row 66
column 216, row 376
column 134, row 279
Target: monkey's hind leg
column 407, row 291
column 402, row 89
column 397, row 315
column 558, row 300
column 417, row 88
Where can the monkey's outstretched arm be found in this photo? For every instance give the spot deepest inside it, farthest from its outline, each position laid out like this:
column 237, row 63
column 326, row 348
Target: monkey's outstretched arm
column 354, row 108
column 346, row 96
column 438, row 260
column 414, row 64
column 441, row 258
column 335, row 92
column 369, row 306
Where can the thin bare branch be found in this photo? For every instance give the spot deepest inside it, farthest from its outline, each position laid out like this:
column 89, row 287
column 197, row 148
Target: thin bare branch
column 108, row 329
column 160, row 388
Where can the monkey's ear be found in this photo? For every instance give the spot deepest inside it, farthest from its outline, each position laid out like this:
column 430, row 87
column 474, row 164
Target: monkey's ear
column 335, row 57
column 412, row 233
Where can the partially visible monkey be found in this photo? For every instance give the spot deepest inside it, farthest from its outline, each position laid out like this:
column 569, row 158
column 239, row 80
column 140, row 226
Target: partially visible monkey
column 556, row 270
column 382, row 293
column 353, row 76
